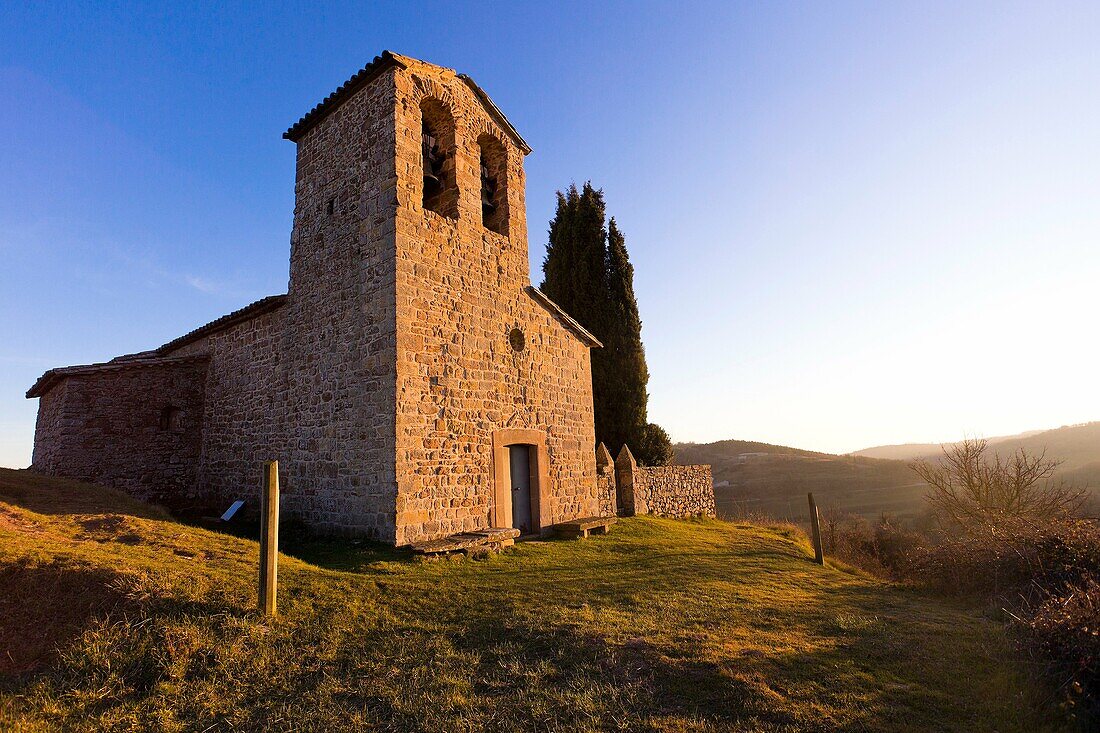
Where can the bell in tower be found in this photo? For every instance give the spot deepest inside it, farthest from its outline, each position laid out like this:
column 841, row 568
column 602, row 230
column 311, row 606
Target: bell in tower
column 433, row 162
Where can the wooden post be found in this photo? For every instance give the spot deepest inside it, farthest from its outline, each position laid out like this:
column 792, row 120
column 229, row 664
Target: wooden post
column 815, row 526
column 269, row 538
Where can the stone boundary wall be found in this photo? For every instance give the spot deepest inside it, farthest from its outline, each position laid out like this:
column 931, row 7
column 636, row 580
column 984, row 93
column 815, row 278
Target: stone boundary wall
column 676, row 491
column 605, row 487
column 666, row 491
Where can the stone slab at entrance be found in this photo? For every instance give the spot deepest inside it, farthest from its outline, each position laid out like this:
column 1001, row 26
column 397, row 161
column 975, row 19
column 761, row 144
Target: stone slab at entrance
column 580, row 528
column 493, row 539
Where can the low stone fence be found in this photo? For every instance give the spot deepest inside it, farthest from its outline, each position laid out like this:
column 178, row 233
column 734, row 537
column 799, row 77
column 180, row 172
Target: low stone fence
column 675, row 491
column 667, row 491
column 605, row 485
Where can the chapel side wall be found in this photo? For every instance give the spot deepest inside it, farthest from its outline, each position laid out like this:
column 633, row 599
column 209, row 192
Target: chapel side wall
column 109, row 428
column 243, row 423
column 460, row 292
column 340, row 345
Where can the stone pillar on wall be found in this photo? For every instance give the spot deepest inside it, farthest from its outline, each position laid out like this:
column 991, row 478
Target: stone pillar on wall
column 604, row 462
column 631, row 491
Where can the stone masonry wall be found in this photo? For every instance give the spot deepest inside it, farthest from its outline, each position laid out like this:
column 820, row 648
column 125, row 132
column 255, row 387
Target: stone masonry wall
column 312, row 383
column 460, row 292
column 137, row 428
column 245, row 392
column 605, row 488
column 676, row 491
column 340, row 342
column 667, row 491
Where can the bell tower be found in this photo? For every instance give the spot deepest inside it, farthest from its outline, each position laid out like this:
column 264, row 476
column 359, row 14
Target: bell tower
column 420, row 352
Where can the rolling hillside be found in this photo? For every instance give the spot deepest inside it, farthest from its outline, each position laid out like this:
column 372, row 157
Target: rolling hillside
column 1077, row 446
column 114, row 617
column 774, row 480
column 753, row 477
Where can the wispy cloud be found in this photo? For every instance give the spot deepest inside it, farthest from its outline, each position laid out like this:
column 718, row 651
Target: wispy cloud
column 203, row 285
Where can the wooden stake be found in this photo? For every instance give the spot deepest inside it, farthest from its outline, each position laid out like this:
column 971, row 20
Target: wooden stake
column 269, row 538
column 815, row 526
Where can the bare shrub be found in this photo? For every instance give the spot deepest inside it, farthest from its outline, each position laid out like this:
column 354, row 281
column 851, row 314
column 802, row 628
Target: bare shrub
column 881, row 548
column 1064, row 634
column 1045, row 575
column 894, row 543
column 972, row 484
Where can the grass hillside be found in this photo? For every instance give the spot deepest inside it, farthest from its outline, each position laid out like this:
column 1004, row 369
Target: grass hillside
column 113, row 617
column 774, row 480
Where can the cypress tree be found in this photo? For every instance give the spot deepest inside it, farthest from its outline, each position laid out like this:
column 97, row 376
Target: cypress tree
column 626, row 385
column 587, row 271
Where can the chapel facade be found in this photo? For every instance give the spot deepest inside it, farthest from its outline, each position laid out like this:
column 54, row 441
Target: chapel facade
column 412, row 382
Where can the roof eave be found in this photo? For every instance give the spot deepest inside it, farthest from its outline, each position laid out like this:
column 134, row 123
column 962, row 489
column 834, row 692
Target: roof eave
column 53, row 376
column 361, row 78
column 370, row 72
column 496, row 114
column 564, row 318
column 247, row 313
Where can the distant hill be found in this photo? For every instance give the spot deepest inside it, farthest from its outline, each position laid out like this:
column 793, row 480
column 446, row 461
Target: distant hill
column 1077, row 446
column 752, row 477
column 901, row 452
column 910, row 451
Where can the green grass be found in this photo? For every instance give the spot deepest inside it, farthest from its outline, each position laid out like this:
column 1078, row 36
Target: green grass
column 113, row 617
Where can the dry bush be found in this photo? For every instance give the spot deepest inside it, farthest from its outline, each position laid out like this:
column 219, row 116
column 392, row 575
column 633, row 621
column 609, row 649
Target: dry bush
column 973, row 485
column 881, row 548
column 1046, row 576
column 1064, row 634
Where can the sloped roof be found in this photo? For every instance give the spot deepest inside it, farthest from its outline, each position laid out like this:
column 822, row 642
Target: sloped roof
column 161, row 355
column 53, row 376
column 250, row 311
column 357, row 81
column 564, row 318
column 372, row 71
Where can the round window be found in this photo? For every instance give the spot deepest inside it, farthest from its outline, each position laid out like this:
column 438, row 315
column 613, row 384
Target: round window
column 517, row 340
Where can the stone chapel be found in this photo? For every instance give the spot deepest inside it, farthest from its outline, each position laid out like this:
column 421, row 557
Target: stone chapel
column 411, row 382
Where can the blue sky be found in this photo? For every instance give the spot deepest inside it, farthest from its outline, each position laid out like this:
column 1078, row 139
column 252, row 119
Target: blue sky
column 851, row 223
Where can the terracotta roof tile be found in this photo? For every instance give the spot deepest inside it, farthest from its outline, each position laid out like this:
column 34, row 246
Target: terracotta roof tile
column 370, row 72
column 250, row 311
column 365, row 75
column 161, row 355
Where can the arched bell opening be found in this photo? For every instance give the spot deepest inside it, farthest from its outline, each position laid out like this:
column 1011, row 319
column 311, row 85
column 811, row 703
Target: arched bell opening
column 437, row 147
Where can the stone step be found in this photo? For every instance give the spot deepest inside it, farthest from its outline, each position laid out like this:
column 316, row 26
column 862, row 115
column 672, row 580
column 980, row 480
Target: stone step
column 493, row 539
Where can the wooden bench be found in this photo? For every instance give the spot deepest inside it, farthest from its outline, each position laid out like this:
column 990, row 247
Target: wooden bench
column 476, row 542
column 580, row 528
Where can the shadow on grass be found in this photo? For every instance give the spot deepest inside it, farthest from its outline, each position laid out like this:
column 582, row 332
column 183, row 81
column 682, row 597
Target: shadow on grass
column 347, row 555
column 626, row 684
column 45, row 607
